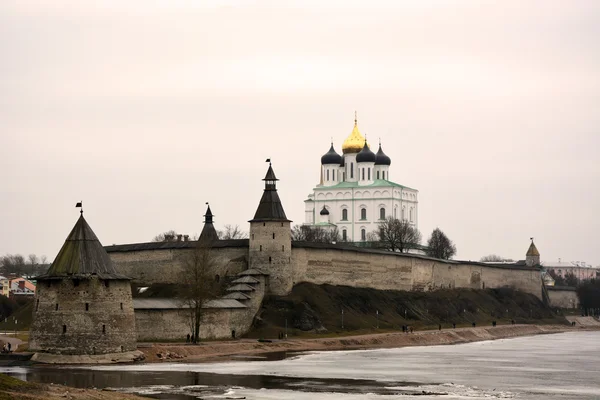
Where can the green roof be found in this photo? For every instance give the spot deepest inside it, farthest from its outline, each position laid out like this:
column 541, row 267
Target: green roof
column 376, row 183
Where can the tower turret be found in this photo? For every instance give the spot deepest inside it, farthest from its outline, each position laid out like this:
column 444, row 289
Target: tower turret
column 532, row 258
column 209, row 233
column 270, row 238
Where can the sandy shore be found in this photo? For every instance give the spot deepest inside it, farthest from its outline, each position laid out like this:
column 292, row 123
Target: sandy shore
column 219, row 351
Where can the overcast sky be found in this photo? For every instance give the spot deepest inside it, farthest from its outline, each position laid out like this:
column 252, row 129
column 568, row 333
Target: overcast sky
column 145, row 110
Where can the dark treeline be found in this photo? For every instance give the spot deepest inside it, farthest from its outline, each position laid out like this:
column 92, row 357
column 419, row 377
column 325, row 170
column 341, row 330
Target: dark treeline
column 589, row 296
column 16, row 264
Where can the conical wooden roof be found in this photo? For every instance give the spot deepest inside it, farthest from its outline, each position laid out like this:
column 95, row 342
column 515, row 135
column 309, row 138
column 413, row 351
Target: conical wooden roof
column 82, row 256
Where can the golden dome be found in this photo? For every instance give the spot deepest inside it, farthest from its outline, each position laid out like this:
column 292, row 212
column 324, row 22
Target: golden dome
column 355, row 142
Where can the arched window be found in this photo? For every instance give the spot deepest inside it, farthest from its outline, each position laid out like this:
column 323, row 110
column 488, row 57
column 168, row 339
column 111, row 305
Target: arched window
column 363, row 234
column 327, row 174
column 344, row 235
column 351, row 170
column 363, row 173
column 411, row 214
column 369, row 173
column 377, row 174
column 363, row 213
column 383, row 173
column 382, row 213
column 333, row 174
column 344, row 214
column 403, row 212
column 396, row 212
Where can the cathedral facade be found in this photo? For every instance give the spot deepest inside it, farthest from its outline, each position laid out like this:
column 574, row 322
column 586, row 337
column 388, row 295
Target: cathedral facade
column 356, row 192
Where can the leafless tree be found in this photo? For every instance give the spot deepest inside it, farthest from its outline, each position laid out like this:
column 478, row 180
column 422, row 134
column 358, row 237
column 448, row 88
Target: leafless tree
column 398, row 235
column 167, row 236
column 307, row 233
column 43, row 260
column 232, row 232
column 197, row 284
column 13, row 264
column 440, row 246
column 495, row 258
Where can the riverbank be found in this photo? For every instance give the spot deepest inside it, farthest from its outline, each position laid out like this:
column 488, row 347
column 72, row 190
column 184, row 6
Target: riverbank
column 219, row 351
column 16, row 389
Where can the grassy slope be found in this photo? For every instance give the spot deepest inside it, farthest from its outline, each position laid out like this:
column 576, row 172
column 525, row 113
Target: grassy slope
column 310, row 306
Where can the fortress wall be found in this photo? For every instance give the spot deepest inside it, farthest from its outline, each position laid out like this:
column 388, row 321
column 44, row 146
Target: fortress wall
column 349, row 268
column 405, row 272
column 563, row 297
column 175, row 324
column 163, row 266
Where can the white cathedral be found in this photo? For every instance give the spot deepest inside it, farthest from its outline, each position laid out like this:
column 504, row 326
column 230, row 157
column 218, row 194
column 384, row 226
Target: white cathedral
column 356, row 193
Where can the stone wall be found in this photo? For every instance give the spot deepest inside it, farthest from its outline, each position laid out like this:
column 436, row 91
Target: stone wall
column 217, row 323
column 146, row 267
column 270, row 250
column 563, row 297
column 88, row 316
column 376, row 269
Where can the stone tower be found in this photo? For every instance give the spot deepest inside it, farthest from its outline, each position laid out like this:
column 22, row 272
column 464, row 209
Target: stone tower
column 209, row 233
column 532, row 258
column 82, row 305
column 270, row 239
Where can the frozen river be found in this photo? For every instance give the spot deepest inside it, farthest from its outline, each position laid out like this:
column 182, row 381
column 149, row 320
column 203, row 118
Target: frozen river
column 558, row 366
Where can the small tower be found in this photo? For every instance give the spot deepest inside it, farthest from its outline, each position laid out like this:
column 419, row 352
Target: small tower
column 382, row 165
column 270, row 239
column 82, row 305
column 209, row 233
column 532, row 258
column 365, row 160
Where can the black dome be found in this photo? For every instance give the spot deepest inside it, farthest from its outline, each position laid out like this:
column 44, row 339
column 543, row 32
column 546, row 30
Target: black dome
column 365, row 155
column 331, row 157
column 324, row 211
column 381, row 158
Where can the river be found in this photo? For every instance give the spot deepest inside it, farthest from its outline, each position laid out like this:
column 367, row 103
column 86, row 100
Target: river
column 557, row 366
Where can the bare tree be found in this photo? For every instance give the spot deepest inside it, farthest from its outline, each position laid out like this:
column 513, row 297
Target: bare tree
column 398, row 235
column 495, row 258
column 197, row 284
column 307, row 233
column 167, row 236
column 440, row 246
column 558, row 280
column 232, row 232
column 571, row 279
column 43, row 260
column 13, row 264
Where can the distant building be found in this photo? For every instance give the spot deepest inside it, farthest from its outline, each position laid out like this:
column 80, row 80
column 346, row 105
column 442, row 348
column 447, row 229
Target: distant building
column 579, row 269
column 355, row 192
column 21, row 287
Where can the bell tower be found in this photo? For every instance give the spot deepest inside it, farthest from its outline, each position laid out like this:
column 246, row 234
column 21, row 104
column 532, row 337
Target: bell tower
column 270, row 247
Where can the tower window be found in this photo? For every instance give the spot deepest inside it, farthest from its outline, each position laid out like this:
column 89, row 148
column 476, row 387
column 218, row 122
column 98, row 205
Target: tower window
column 377, row 174
column 260, row 249
column 56, row 308
column 363, row 213
column 363, row 173
column 121, row 306
column 363, row 234
column 64, row 329
column 217, row 278
column 382, row 213
column 344, row 215
column 327, row 174
column 103, row 329
column 106, row 283
column 344, row 235
column 351, row 170
column 269, row 260
column 273, row 235
column 282, row 248
column 383, row 173
column 411, row 214
column 87, row 306
column 333, row 174
column 264, row 224
column 369, row 173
